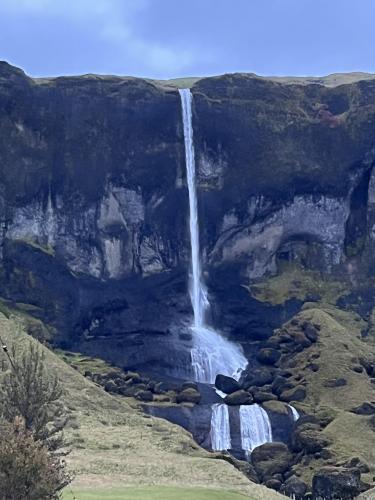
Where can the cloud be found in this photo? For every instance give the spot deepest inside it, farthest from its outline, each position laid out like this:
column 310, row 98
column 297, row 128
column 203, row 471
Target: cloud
column 114, row 22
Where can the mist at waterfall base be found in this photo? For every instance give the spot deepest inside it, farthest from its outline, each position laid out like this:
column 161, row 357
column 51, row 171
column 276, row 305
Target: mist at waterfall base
column 211, row 353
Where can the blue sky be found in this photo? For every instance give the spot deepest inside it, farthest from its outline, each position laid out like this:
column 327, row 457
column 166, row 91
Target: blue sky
column 171, row 38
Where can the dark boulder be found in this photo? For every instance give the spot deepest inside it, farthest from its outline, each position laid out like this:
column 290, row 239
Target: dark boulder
column 295, row 394
column 145, row 396
column 240, row 397
column 365, row 408
column 274, row 484
column 281, row 384
column 268, row 356
column 309, row 438
column 335, row 382
column 263, row 396
column 336, row 483
column 189, row 385
column 277, row 407
column 358, row 368
column 310, row 331
column 294, row 487
column 188, row 396
column 271, row 458
column 111, row 386
column 368, row 365
column 259, row 377
column 226, row 384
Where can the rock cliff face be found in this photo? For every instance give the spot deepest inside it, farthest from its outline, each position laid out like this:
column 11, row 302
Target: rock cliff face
column 93, row 202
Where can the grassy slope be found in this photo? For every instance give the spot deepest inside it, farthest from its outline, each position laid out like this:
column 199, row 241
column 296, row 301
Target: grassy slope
column 155, row 493
column 114, row 445
column 339, row 347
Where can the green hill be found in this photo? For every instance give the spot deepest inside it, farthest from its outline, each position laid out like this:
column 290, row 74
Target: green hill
column 115, row 445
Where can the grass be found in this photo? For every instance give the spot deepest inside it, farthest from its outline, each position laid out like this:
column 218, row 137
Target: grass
column 85, row 363
column 295, row 282
column 154, row 493
column 115, row 445
column 338, row 349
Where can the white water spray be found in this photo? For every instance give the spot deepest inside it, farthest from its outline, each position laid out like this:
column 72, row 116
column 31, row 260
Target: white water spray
column 295, row 413
column 220, row 428
column 211, row 353
column 255, row 427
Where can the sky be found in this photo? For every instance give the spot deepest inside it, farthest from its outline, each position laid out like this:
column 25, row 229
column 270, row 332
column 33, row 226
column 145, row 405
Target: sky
column 175, row 38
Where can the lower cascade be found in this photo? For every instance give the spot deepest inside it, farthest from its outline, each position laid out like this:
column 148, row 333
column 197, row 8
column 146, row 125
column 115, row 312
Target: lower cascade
column 255, row 427
column 220, row 428
column 295, row 413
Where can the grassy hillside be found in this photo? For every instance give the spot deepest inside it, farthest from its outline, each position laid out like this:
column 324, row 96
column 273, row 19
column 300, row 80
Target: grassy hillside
column 335, row 356
column 116, row 446
column 155, row 493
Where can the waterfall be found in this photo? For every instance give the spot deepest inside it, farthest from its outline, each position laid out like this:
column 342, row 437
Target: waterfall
column 255, row 427
column 220, row 428
column 211, row 353
column 295, row 413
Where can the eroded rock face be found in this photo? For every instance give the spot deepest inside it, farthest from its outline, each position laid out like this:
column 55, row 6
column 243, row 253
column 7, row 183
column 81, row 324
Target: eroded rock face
column 93, row 201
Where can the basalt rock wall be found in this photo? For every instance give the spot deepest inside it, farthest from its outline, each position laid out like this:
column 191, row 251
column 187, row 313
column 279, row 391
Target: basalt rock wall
column 94, row 204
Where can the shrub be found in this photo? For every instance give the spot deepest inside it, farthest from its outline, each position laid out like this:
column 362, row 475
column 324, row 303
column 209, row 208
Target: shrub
column 29, row 391
column 27, row 469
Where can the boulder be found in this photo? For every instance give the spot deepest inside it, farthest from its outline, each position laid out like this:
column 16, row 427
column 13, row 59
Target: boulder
column 336, row 483
column 310, row 331
column 145, row 396
column 365, row 408
column 309, row 438
column 281, row 384
column 301, row 340
column 260, row 377
column 111, row 386
column 294, row 487
column 240, row 397
column 268, row 356
column 128, row 391
column 274, row 484
column 295, row 394
column 335, row 382
column 368, row 365
column 189, row 395
column 271, row 458
column 189, row 385
column 357, row 368
column 276, row 407
column 226, row 384
column 358, row 464
column 263, row 396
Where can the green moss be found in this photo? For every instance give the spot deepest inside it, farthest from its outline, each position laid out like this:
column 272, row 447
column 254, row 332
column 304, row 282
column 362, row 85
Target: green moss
column 180, row 83
column 85, row 363
column 33, row 326
column 338, row 349
column 295, row 282
column 356, row 247
column 43, row 248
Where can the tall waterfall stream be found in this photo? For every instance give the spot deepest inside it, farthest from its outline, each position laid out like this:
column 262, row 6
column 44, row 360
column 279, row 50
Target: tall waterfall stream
column 212, row 354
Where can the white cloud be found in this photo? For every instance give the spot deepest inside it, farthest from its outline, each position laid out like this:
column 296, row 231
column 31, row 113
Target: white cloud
column 113, row 22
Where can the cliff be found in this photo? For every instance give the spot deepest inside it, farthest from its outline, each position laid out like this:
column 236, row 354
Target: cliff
column 94, row 199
